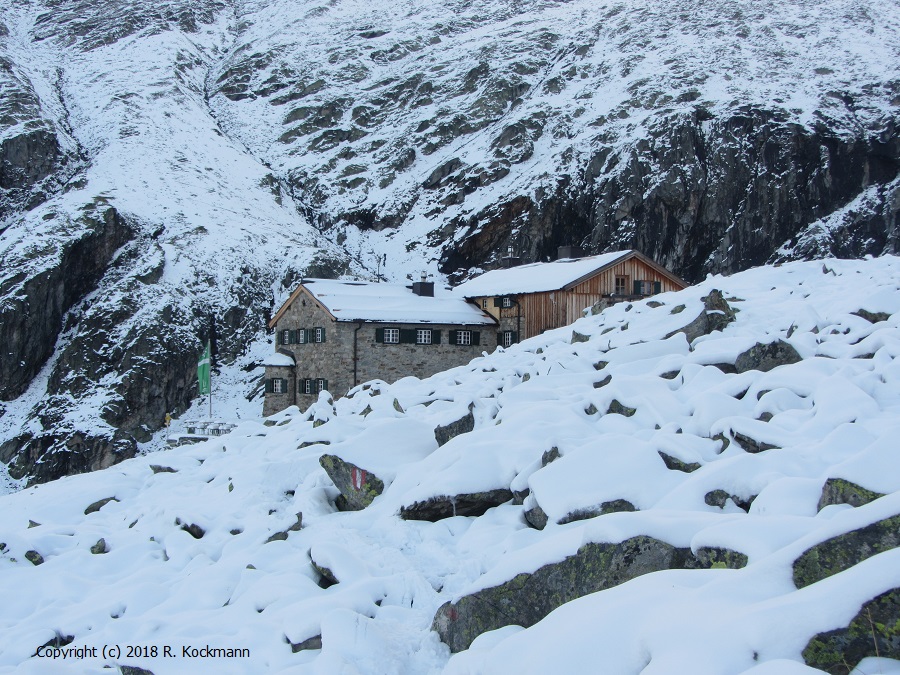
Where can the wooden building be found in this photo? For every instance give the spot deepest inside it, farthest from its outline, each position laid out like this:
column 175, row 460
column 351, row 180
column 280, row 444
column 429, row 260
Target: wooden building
column 526, row 300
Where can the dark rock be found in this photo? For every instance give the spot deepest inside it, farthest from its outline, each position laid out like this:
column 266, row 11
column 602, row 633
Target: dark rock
column 716, row 314
column 31, row 524
column 602, row 383
column 463, row 425
column 874, row 631
column 618, row 409
column 192, row 529
column 676, row 464
column 326, row 576
column 134, row 670
column 527, row 598
column 549, row 456
column 612, row 506
column 358, row 487
column 156, row 468
column 34, row 558
column 283, row 535
column 519, row 496
column 59, row 640
column 579, row 337
column 99, row 504
column 872, row 317
column 474, row 504
column 840, row 491
column 846, row 550
column 752, row 445
column 765, row 357
column 713, row 557
column 315, row 642
column 536, row 517
column 100, row 547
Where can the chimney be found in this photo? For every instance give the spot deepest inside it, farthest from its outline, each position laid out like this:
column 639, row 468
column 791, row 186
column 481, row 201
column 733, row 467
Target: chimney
column 510, row 260
column 569, row 252
column 423, row 288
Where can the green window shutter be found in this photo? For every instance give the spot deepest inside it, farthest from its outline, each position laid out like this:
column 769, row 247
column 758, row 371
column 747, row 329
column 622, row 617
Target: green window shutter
column 498, row 302
column 637, row 288
column 284, row 386
column 499, row 338
column 476, row 337
column 408, row 336
column 515, row 337
column 379, row 335
column 270, row 387
column 277, row 337
column 435, row 337
column 657, row 287
column 325, row 386
column 293, row 337
column 453, row 336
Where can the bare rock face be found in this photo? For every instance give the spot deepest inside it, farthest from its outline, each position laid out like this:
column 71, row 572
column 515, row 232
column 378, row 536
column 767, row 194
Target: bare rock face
column 766, row 357
column 527, row 598
column 840, row 491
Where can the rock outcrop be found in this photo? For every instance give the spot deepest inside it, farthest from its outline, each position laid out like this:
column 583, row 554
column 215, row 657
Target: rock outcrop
column 527, row 598
column 358, row 487
column 766, row 357
column 471, row 504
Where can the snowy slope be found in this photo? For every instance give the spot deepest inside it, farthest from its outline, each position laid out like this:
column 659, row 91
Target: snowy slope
column 190, row 561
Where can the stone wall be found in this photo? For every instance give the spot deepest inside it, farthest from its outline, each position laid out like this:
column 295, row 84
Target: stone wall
column 332, row 360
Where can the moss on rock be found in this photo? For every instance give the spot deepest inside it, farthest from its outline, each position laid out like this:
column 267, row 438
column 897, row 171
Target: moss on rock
column 874, row 631
column 840, row 491
column 846, row 550
column 357, row 494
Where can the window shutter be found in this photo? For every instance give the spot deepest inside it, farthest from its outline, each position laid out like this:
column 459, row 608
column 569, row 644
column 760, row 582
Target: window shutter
column 452, row 337
column 284, row 386
column 408, row 336
column 270, row 387
column 515, row 337
column 277, row 337
column 657, row 287
column 379, row 335
column 325, row 385
column 637, row 288
column 500, row 338
column 476, row 337
column 435, row 337
column 498, row 302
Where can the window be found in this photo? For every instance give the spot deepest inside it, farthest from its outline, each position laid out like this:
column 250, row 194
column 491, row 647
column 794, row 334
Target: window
column 484, row 303
column 647, row 287
column 278, row 386
column 509, row 337
column 320, row 334
column 321, row 385
column 285, row 337
column 301, row 336
column 621, row 285
column 507, row 302
column 463, row 337
column 392, row 336
column 423, row 336
column 306, row 387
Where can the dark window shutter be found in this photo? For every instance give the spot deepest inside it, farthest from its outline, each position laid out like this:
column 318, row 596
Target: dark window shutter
column 270, row 387
column 476, row 337
column 277, row 337
column 515, row 337
column 452, row 336
column 325, row 385
column 292, row 337
column 498, row 302
column 379, row 335
column 657, row 287
column 637, row 288
column 435, row 337
column 284, row 386
column 408, row 336
column 500, row 338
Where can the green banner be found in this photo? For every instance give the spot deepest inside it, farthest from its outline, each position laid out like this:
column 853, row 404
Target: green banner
column 203, row 371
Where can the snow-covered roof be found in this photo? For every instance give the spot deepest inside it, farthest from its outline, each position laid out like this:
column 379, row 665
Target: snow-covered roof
column 537, row 277
column 278, row 359
column 391, row 303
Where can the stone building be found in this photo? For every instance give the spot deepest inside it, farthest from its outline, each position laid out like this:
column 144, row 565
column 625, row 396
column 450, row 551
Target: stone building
column 526, row 300
column 332, row 335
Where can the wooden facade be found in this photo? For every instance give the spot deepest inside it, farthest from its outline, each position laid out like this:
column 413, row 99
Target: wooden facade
column 530, row 314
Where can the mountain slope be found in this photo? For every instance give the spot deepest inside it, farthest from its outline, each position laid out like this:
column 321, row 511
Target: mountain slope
column 236, row 543
column 162, row 165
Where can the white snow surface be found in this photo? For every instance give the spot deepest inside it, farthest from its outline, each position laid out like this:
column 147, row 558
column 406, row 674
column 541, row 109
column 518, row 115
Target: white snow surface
column 384, row 302
column 536, row 277
column 836, row 413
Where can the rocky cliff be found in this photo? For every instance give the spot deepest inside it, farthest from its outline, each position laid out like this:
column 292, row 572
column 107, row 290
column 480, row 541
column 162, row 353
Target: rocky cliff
column 163, row 165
